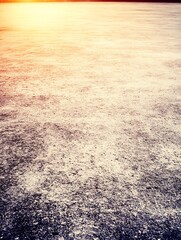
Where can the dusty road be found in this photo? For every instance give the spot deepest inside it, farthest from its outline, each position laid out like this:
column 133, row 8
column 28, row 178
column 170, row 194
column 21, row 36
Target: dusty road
column 90, row 121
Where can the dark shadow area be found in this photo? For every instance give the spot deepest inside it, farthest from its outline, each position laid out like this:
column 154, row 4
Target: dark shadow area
column 33, row 218
column 162, row 187
column 19, row 145
column 141, row 227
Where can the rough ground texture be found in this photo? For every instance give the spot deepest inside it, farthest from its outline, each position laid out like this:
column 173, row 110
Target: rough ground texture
column 90, row 116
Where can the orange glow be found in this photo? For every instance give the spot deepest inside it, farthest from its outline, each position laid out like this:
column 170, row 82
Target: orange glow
column 39, row 15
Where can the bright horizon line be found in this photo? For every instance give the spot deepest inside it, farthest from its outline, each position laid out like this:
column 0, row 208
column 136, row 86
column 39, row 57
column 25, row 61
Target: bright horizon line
column 24, row 1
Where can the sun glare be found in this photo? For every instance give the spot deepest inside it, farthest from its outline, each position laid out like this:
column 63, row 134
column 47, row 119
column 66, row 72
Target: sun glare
column 40, row 15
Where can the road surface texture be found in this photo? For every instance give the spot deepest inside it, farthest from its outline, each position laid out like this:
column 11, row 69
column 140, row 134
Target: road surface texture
column 90, row 114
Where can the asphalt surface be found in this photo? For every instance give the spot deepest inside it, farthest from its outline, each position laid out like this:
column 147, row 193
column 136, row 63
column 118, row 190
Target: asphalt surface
column 90, row 126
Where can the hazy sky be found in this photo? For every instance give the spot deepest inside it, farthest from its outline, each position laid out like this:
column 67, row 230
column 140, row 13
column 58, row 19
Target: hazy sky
column 91, row 0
